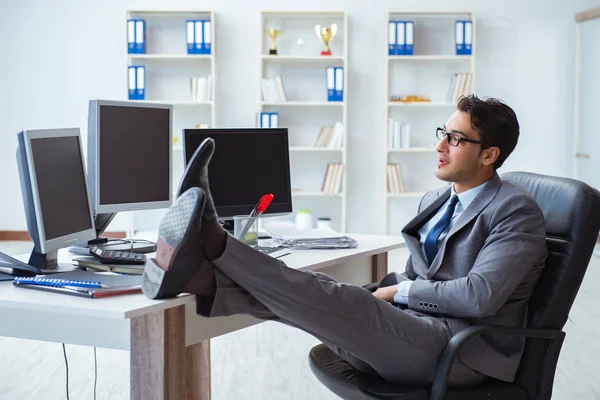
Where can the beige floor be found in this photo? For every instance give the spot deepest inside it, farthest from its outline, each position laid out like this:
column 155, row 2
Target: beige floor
column 267, row 361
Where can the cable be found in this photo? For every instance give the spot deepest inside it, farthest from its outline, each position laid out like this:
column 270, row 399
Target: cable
column 67, row 368
column 95, row 372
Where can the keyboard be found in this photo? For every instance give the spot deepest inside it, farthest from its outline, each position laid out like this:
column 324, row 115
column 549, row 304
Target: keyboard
column 274, row 251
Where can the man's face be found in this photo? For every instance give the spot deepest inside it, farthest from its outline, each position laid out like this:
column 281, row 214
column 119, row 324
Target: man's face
column 461, row 163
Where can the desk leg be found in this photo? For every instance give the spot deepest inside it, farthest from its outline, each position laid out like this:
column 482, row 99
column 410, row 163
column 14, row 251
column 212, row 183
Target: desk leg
column 379, row 266
column 157, row 355
column 197, row 371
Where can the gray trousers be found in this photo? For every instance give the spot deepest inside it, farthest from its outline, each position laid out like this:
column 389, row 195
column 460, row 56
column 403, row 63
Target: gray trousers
column 372, row 335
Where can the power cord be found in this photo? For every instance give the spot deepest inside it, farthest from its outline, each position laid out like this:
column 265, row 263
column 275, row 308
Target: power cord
column 67, row 368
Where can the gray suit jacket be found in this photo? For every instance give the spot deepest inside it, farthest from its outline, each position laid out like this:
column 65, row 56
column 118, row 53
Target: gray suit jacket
column 484, row 273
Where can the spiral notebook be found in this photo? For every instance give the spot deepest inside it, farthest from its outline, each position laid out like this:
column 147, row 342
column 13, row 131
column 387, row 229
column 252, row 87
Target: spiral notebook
column 83, row 284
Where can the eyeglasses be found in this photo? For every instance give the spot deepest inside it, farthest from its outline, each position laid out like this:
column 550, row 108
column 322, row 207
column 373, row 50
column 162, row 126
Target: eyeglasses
column 454, row 139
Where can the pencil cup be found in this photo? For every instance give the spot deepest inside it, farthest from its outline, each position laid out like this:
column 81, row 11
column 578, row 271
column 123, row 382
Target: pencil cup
column 245, row 229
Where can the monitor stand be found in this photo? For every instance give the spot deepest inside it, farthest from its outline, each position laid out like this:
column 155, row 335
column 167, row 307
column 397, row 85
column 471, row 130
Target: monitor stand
column 101, row 222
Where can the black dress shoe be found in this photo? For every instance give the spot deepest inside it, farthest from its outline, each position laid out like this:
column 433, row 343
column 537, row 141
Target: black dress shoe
column 179, row 253
column 196, row 175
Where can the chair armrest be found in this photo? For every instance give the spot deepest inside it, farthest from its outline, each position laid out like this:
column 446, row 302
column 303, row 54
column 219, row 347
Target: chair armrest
column 438, row 389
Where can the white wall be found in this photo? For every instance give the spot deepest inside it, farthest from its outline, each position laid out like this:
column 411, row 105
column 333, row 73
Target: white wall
column 524, row 56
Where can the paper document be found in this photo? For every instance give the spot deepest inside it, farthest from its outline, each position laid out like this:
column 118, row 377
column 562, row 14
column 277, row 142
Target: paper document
column 311, row 238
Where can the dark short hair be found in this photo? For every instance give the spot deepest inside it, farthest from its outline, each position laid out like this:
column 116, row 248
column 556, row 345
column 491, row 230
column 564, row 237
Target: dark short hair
column 495, row 122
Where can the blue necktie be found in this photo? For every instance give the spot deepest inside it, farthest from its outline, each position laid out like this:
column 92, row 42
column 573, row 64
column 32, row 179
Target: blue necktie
column 430, row 244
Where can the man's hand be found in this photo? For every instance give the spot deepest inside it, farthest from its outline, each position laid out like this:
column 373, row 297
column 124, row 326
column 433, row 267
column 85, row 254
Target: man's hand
column 386, row 293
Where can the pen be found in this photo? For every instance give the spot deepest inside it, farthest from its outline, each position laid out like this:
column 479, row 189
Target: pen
column 260, row 207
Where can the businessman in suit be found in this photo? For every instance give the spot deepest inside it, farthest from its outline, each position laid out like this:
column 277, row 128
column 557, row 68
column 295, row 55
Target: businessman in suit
column 477, row 248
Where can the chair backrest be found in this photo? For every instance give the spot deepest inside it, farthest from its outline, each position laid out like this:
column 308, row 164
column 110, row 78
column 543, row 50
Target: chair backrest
column 572, row 212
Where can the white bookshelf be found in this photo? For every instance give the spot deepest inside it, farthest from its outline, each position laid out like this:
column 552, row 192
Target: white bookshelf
column 428, row 73
column 306, row 109
column 169, row 71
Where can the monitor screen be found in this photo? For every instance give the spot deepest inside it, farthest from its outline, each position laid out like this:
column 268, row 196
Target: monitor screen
column 246, row 164
column 129, row 155
column 61, row 186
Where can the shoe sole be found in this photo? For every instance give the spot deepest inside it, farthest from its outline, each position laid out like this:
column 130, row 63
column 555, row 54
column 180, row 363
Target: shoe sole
column 180, row 230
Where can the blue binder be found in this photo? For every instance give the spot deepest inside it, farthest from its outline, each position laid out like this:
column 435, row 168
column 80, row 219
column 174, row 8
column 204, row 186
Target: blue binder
column 409, row 37
column 190, row 36
column 198, row 37
column 400, row 38
column 330, row 79
column 392, row 36
column 207, row 37
column 140, row 36
column 131, row 36
column 131, row 78
column 339, row 84
column 140, row 82
column 464, row 37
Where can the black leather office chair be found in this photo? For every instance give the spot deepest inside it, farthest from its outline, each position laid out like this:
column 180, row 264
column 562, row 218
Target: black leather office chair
column 572, row 212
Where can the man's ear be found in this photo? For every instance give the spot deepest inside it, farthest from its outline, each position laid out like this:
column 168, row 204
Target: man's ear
column 490, row 155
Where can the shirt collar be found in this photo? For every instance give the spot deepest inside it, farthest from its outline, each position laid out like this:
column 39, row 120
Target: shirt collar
column 467, row 197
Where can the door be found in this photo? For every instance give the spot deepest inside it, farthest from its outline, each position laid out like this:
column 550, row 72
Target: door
column 587, row 98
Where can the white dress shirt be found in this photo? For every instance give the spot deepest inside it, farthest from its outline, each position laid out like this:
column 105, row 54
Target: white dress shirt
column 464, row 200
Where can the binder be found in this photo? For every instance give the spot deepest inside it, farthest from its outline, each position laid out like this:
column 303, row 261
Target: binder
column 207, row 46
column 190, row 36
column 460, row 37
column 140, row 36
column 409, row 35
column 330, row 75
column 140, row 83
column 339, row 84
column 392, row 38
column 274, row 120
column 265, row 120
column 131, row 77
column 468, row 37
column 131, row 36
column 198, row 37
column 400, row 38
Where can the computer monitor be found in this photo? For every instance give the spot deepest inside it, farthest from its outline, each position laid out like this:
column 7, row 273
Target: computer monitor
column 246, row 164
column 55, row 193
column 129, row 160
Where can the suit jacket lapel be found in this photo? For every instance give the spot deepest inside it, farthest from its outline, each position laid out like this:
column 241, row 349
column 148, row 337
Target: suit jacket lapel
column 479, row 203
column 410, row 231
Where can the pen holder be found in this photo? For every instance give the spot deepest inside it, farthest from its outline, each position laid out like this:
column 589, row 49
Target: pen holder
column 245, row 229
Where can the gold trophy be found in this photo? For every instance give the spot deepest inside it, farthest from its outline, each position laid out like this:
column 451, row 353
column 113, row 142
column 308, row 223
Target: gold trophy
column 273, row 34
column 326, row 34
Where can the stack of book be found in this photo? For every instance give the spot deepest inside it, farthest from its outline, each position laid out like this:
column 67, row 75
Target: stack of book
column 272, row 89
column 333, row 178
column 93, row 264
column 394, row 178
column 201, row 89
column 460, row 85
column 331, row 136
column 398, row 135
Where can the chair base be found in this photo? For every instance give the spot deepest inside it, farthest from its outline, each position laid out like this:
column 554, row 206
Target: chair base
column 349, row 384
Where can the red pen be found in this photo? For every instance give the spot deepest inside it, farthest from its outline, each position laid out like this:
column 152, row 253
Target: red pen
column 260, row 208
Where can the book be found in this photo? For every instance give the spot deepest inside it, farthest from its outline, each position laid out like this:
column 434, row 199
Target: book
column 83, row 284
column 92, row 263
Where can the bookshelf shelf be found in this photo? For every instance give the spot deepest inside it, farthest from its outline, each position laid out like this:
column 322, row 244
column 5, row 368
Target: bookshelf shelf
column 303, row 103
column 425, row 104
column 430, row 58
column 317, row 149
column 300, row 72
column 177, row 57
column 302, row 59
column 436, row 72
